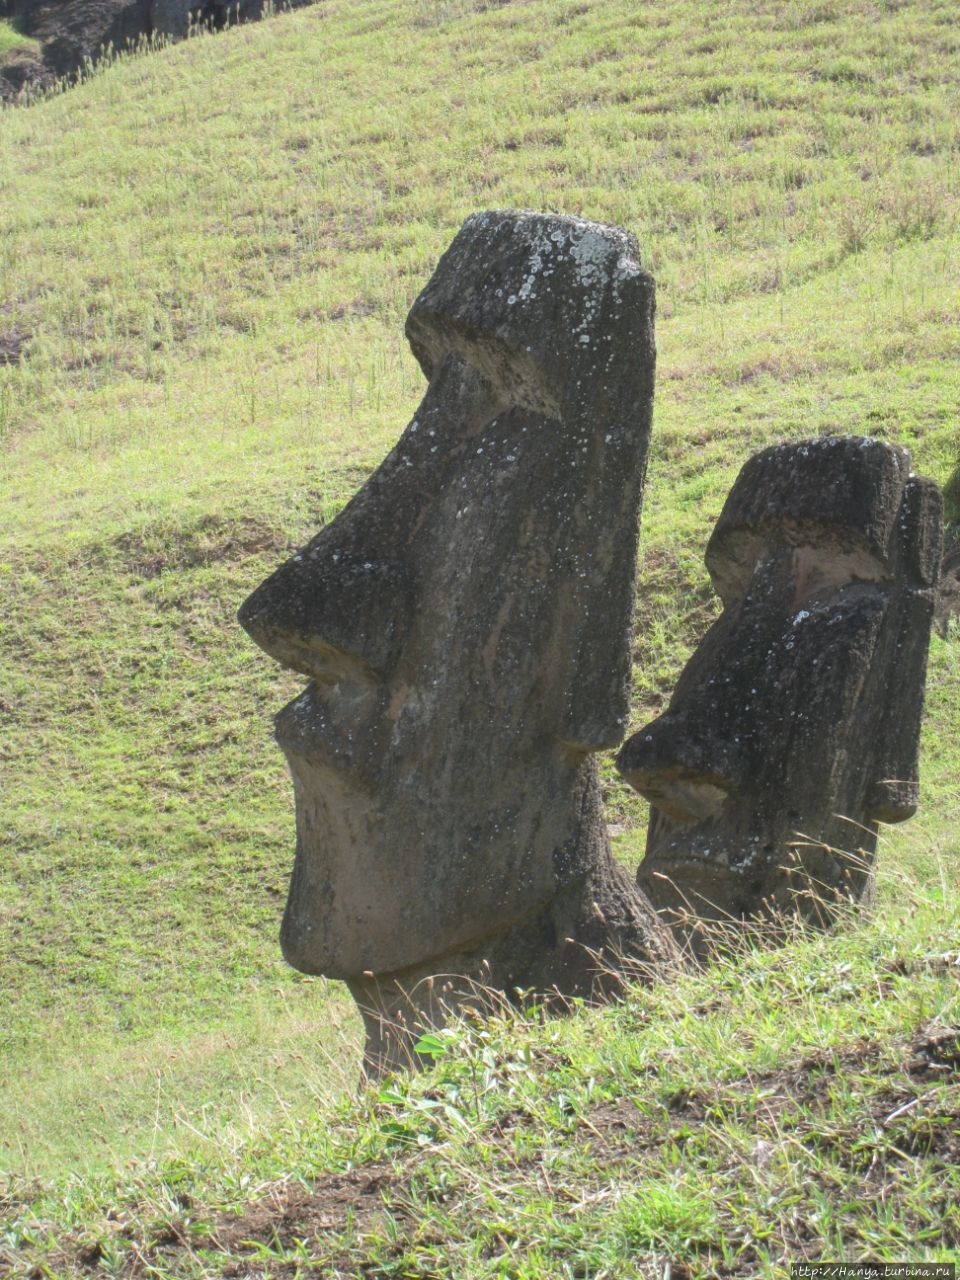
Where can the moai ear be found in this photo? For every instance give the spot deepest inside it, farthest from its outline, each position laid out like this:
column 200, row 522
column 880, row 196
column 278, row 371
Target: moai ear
column 917, row 548
column 920, row 532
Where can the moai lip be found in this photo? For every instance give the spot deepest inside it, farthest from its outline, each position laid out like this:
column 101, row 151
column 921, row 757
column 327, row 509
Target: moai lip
column 793, row 729
column 464, row 624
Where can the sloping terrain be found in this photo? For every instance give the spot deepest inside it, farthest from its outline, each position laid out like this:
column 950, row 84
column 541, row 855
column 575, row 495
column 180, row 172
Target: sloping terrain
column 207, row 255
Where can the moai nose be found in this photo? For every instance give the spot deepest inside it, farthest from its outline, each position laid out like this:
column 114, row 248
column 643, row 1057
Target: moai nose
column 681, row 767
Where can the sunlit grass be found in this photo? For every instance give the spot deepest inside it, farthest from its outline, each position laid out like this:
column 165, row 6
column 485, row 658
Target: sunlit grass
column 796, row 1102
column 11, row 39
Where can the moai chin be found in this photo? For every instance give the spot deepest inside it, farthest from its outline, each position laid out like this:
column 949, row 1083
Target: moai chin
column 464, row 624
column 793, row 729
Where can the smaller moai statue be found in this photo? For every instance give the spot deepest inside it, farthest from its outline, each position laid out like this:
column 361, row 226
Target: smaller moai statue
column 464, row 624
column 793, row 730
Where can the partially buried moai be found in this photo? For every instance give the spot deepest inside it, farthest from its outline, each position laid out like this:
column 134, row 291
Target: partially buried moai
column 464, row 624
column 793, row 730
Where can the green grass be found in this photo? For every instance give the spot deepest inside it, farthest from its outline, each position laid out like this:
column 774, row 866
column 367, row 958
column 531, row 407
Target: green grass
column 204, row 325
column 796, row 1104
column 12, row 40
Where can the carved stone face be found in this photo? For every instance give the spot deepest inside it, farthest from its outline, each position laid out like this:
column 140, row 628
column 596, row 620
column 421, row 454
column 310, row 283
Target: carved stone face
column 793, row 729
column 464, row 621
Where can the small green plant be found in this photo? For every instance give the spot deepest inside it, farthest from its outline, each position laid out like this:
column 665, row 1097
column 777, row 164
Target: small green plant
column 12, row 40
column 857, row 223
column 666, row 1217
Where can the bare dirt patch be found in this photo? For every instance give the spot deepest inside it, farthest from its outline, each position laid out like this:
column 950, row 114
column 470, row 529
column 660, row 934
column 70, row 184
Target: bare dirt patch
column 352, row 1202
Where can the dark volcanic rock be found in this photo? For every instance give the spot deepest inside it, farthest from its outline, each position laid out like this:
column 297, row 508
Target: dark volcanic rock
column 465, row 627
column 793, row 729
column 74, row 33
column 22, row 67
column 948, row 603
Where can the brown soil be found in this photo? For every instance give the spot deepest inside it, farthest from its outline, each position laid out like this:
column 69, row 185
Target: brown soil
column 295, row 1213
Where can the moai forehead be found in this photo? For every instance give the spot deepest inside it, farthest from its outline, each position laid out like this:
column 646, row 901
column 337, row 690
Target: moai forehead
column 554, row 312
column 852, row 499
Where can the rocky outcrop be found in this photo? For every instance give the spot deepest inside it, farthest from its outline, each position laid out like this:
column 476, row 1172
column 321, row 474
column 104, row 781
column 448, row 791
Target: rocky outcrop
column 22, row 68
column 73, row 33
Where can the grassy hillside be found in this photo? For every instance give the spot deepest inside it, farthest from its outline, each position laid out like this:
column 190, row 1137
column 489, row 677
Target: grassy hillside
column 206, row 257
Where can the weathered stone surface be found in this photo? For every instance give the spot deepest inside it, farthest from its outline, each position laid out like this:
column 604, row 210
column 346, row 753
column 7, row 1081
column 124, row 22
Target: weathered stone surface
column 19, row 68
column 948, row 602
column 464, row 623
column 793, row 729
column 171, row 17
column 75, row 31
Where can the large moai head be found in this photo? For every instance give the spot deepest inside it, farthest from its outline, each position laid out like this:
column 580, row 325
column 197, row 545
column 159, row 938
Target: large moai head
column 464, row 624
column 793, row 729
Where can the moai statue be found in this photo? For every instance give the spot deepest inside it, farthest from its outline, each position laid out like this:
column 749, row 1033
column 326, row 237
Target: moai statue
column 792, row 732
column 465, row 624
